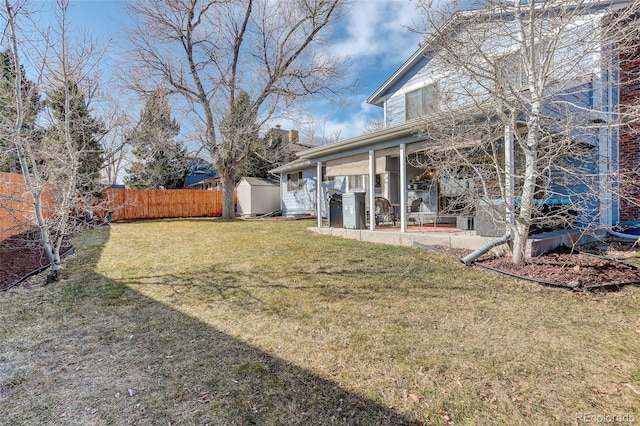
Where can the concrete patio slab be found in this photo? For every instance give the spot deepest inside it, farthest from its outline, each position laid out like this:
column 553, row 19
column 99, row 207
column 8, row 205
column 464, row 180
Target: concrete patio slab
column 536, row 245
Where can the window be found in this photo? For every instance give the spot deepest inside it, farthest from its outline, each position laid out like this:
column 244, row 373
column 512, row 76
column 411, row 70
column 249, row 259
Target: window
column 294, row 181
column 425, row 100
column 356, row 183
column 510, row 72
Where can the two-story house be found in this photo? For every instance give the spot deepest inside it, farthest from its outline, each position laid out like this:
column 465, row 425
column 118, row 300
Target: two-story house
column 481, row 110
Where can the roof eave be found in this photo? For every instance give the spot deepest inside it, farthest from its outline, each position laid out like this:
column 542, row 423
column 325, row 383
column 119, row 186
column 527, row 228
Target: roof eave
column 377, row 97
column 292, row 166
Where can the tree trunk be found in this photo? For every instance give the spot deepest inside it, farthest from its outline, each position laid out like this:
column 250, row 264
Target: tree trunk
column 523, row 221
column 228, row 192
column 519, row 243
column 45, row 235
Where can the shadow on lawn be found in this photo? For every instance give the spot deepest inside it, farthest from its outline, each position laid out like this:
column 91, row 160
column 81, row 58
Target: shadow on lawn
column 243, row 289
column 204, row 371
column 178, row 368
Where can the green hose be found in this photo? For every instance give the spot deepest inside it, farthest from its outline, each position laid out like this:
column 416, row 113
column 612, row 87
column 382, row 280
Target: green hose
column 485, row 248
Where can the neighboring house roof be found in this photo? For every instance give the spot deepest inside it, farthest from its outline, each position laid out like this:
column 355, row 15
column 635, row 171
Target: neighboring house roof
column 254, row 181
column 199, row 170
column 298, row 146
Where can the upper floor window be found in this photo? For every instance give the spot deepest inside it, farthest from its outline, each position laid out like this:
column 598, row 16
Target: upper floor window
column 326, row 178
column 424, row 100
column 511, row 70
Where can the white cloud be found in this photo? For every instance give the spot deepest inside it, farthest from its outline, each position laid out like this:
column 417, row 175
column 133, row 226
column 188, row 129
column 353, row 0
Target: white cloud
column 374, row 36
column 350, row 123
column 354, row 124
column 377, row 29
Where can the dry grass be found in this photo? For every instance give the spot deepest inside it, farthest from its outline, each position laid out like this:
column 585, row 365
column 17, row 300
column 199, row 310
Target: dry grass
column 217, row 322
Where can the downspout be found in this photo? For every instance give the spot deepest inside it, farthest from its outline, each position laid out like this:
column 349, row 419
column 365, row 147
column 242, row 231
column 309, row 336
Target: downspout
column 281, row 179
column 485, row 248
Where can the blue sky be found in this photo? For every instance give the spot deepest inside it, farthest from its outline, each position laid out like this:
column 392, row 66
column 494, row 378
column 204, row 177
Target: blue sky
column 374, row 36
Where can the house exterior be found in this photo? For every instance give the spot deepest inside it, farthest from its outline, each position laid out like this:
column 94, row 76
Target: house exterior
column 424, row 94
column 298, row 193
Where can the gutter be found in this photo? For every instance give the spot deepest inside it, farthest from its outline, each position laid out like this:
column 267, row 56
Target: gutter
column 385, row 135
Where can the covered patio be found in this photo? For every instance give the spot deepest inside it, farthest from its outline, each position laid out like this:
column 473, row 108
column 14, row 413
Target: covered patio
column 378, row 166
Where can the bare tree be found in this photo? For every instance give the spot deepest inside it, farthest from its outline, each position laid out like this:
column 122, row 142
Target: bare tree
column 213, row 52
column 524, row 112
column 373, row 126
column 13, row 132
column 66, row 161
column 120, row 124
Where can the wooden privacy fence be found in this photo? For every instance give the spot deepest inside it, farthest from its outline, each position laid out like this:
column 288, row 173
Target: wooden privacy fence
column 16, row 206
column 126, row 204
column 17, row 215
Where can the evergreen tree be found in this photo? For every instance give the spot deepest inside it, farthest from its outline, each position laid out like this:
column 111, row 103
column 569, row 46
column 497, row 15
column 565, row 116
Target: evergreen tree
column 85, row 133
column 160, row 160
column 266, row 154
column 32, row 105
column 239, row 139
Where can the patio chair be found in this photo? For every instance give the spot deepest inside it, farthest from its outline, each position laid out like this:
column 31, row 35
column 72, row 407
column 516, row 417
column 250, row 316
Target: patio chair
column 425, row 215
column 384, row 211
column 415, row 205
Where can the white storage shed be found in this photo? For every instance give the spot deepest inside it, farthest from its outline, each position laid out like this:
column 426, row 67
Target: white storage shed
column 257, row 196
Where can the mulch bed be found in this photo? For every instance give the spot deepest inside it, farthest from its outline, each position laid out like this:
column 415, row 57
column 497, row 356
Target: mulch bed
column 563, row 267
column 19, row 256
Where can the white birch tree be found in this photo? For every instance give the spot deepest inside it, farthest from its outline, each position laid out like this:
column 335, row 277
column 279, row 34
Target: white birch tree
column 527, row 110
column 57, row 167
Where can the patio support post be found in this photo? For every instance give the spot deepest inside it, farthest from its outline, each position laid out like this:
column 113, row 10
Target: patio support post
column 403, row 188
column 372, row 190
column 509, row 172
column 319, row 192
column 282, row 187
